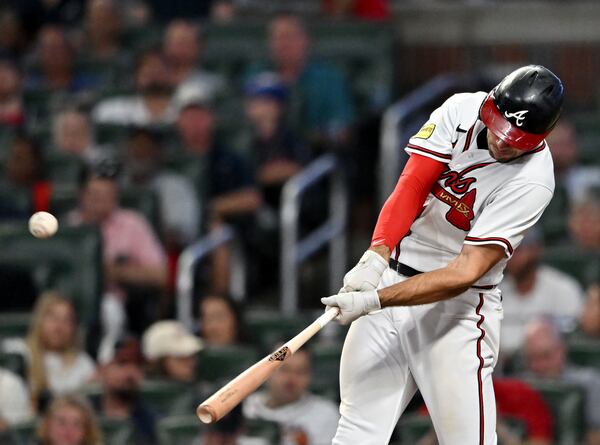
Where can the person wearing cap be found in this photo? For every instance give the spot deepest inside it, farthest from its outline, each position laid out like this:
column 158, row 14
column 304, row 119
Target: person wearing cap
column 171, row 351
column 532, row 289
column 278, row 153
column 225, row 179
column 321, row 105
column 121, row 378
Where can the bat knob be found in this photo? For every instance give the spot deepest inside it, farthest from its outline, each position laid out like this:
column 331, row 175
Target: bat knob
column 206, row 414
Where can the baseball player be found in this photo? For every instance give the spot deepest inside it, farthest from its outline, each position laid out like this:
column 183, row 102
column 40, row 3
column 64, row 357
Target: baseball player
column 479, row 175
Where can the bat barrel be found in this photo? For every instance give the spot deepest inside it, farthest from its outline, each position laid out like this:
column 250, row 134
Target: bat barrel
column 206, row 414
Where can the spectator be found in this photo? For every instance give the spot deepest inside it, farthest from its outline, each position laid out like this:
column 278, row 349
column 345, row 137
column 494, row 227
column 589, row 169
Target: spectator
column 102, row 26
column 179, row 202
column 12, row 37
column 584, row 222
column 57, row 65
column 69, row 420
column 546, row 357
column 223, row 11
column 12, row 112
column 516, row 400
column 134, row 260
column 151, row 105
column 229, row 187
column 182, row 46
column 220, row 321
column 531, row 289
column 72, row 133
column 121, row 379
column 15, row 404
column 23, row 175
column 575, row 179
column 320, row 106
column 277, row 153
column 304, row 418
column 589, row 319
column 171, row 351
column 56, row 363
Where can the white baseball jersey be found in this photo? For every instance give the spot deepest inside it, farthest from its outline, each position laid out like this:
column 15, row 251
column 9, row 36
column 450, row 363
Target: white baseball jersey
column 477, row 200
column 447, row 349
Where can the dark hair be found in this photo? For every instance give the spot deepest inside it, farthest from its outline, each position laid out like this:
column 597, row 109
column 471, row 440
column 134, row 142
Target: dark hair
column 151, row 133
column 36, row 149
column 104, row 169
column 290, row 15
column 141, row 57
column 235, row 308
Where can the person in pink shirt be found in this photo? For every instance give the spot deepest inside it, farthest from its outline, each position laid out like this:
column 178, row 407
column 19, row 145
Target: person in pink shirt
column 135, row 271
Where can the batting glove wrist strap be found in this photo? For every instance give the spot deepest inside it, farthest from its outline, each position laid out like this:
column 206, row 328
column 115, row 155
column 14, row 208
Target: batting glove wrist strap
column 366, row 274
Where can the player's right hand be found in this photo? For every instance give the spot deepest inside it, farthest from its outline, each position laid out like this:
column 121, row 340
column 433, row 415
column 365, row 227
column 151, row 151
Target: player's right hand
column 366, row 274
column 353, row 304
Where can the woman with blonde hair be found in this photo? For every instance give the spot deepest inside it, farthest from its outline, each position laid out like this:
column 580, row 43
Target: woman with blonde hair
column 69, row 420
column 56, row 363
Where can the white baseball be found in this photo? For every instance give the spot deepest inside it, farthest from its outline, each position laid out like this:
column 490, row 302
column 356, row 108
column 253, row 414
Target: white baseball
column 43, row 225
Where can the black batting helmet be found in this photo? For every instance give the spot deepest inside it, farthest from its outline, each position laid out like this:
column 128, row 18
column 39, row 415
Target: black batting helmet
column 524, row 107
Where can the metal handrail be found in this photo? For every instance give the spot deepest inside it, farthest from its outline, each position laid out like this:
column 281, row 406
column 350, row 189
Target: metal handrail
column 198, row 251
column 393, row 132
column 295, row 251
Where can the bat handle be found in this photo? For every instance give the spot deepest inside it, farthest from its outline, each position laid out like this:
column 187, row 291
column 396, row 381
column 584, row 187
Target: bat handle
column 327, row 316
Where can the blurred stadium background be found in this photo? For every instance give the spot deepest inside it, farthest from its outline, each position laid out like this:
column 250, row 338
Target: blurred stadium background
column 240, row 150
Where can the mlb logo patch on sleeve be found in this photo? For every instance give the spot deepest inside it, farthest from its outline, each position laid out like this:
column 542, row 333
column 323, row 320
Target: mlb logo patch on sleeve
column 425, row 132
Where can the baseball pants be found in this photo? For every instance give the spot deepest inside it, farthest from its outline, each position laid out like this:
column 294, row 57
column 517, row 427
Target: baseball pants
column 447, row 350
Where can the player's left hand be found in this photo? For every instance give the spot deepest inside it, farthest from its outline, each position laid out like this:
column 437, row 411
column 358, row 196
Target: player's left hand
column 353, row 304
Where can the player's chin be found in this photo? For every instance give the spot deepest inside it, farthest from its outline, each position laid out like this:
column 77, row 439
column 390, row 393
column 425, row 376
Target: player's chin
column 502, row 157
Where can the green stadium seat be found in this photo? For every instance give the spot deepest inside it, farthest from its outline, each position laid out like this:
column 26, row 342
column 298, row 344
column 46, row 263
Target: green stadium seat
column 70, row 262
column 326, row 370
column 412, row 427
column 112, row 134
column 14, row 324
column 163, row 395
column 15, row 202
column 269, row 327
column 583, row 265
column 220, row 364
column 180, row 430
column 264, row 429
column 24, row 433
column 13, row 362
column 116, row 431
column 63, row 168
column 566, row 403
column 584, row 352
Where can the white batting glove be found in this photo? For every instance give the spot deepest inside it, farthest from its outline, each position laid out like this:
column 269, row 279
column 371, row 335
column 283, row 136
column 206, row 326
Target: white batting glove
column 366, row 274
column 353, row 304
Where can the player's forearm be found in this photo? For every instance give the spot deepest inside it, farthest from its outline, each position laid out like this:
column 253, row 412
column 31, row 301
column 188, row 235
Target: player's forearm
column 437, row 285
column 447, row 282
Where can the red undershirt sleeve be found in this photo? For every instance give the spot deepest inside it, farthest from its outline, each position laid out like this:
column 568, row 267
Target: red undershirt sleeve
column 406, row 201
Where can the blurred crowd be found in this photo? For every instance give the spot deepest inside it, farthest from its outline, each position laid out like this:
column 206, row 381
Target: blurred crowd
column 94, row 118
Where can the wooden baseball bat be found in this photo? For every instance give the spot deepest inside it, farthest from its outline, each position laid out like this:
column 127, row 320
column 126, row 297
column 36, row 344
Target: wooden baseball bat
column 226, row 398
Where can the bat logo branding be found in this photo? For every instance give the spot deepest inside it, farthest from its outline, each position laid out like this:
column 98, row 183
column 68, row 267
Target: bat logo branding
column 279, row 355
column 518, row 115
